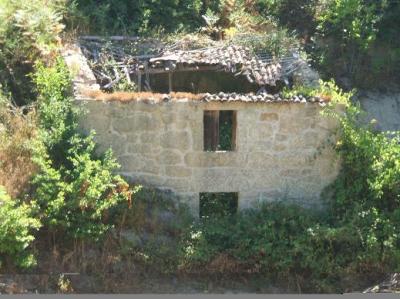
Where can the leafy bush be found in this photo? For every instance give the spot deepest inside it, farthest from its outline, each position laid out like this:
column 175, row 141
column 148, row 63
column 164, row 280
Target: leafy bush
column 133, row 17
column 367, row 192
column 327, row 90
column 74, row 188
column 370, row 165
column 354, row 39
column 16, row 227
column 28, row 30
column 278, row 241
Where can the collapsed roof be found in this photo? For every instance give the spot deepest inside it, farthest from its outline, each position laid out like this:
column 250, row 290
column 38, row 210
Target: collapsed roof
column 234, row 59
column 121, row 58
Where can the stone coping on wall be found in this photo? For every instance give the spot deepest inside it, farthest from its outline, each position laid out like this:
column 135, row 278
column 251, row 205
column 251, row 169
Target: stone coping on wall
column 206, row 97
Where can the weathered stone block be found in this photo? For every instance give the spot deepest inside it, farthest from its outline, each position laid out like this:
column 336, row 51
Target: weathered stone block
column 168, row 118
column 108, row 140
column 133, row 137
column 281, row 137
column 149, row 166
column 144, row 107
column 291, row 172
column 176, row 139
column 312, row 111
column 309, row 140
column 178, row 171
column 178, row 184
column 142, row 148
column 267, row 116
column 279, row 147
column 138, row 122
column 262, row 160
column 212, row 180
column 150, row 137
column 170, row 157
column 293, row 159
column 293, row 125
column 97, row 123
column 130, row 163
column 213, row 159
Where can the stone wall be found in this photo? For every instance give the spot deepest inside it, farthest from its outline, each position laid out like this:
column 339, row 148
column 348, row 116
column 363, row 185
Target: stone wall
column 282, row 149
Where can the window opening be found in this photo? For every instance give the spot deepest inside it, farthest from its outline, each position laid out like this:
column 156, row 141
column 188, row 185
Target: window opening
column 218, row 204
column 219, row 130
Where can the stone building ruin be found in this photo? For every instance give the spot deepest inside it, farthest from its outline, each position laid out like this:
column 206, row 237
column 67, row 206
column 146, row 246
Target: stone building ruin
column 180, row 132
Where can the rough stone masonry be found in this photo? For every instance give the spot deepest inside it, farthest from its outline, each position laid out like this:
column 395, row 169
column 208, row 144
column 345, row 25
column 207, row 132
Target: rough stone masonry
column 283, row 150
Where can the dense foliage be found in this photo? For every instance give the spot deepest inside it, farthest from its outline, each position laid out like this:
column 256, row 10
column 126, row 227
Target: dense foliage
column 74, row 187
column 132, row 17
column 28, row 30
column 73, row 193
column 280, row 242
column 17, row 225
column 357, row 39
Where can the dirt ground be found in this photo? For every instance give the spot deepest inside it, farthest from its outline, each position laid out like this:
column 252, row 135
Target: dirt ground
column 136, row 284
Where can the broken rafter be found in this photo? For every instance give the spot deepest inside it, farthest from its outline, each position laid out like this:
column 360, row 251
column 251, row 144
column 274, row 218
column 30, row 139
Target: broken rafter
column 120, row 57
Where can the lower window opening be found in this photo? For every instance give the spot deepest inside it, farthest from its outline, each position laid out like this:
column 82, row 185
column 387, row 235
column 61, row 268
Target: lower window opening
column 218, row 204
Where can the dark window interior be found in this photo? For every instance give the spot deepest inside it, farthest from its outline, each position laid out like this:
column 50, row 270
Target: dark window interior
column 200, row 82
column 218, row 204
column 219, row 130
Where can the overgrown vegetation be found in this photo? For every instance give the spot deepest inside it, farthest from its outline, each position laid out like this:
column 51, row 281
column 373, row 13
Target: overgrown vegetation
column 357, row 234
column 354, row 41
column 45, row 160
column 73, row 195
column 17, row 132
column 28, row 30
column 279, row 242
column 17, row 225
column 74, row 188
column 357, row 39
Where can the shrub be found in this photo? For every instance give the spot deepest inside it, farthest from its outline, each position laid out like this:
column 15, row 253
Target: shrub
column 28, row 30
column 367, row 192
column 16, row 227
column 74, row 188
column 327, row 90
column 281, row 242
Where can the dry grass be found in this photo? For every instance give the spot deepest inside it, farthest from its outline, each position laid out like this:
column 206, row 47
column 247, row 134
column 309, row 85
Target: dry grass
column 223, row 263
column 17, row 132
column 140, row 96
